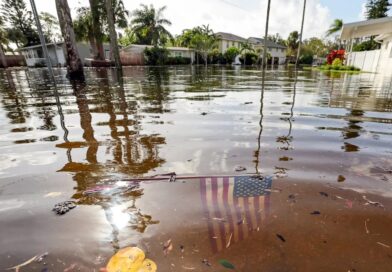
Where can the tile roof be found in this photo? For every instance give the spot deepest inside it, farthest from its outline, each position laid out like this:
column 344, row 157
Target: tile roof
column 230, row 37
column 255, row 40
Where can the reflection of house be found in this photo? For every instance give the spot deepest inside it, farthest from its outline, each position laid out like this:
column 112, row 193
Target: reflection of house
column 227, row 40
column 379, row 61
column 134, row 53
column 277, row 51
column 34, row 54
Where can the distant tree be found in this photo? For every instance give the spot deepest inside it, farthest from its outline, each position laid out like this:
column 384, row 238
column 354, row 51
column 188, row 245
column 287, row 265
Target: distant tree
column 127, row 38
column 50, row 26
column 20, row 22
column 149, row 25
column 292, row 43
column 377, row 9
column 203, row 44
column 277, row 39
column 3, row 41
column 246, row 47
column 335, row 27
column 315, row 47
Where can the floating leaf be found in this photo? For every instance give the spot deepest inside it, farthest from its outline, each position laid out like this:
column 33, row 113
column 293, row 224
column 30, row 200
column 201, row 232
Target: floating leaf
column 226, row 264
column 130, row 259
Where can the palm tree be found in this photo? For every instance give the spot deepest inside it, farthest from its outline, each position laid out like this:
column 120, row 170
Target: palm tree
column 149, row 24
column 74, row 64
column 115, row 54
column 335, row 27
column 246, row 47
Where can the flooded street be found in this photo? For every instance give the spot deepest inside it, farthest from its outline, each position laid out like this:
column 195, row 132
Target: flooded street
column 322, row 142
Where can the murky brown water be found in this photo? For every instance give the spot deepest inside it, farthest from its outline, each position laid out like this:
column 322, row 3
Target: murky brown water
column 326, row 139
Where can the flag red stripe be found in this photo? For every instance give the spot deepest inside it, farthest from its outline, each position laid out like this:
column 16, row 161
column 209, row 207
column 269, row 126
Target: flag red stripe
column 239, row 216
column 249, row 225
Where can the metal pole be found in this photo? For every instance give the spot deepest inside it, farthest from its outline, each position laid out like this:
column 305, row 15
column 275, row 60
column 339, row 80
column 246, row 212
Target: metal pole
column 263, row 62
column 300, row 35
column 42, row 39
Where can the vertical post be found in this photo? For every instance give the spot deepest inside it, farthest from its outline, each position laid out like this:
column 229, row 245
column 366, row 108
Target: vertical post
column 114, row 52
column 301, row 34
column 263, row 62
column 42, row 39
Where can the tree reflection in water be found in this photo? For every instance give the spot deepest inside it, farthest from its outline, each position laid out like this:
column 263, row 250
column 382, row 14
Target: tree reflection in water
column 133, row 152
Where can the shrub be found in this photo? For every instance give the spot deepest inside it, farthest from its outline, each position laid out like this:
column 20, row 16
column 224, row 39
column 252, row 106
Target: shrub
column 231, row 53
column 250, row 58
column 156, row 55
column 306, row 59
column 337, row 62
column 177, row 60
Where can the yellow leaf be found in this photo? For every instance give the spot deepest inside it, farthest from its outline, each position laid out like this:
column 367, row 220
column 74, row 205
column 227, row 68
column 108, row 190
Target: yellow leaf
column 129, row 259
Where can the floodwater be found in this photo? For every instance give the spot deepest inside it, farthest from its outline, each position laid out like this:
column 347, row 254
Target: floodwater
column 322, row 142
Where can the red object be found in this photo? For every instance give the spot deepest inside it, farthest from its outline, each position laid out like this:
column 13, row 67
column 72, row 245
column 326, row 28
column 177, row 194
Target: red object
column 336, row 54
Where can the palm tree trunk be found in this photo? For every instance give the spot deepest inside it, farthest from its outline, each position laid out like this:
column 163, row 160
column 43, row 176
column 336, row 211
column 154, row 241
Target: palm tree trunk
column 114, row 51
column 301, row 34
column 74, row 64
column 3, row 61
column 97, row 32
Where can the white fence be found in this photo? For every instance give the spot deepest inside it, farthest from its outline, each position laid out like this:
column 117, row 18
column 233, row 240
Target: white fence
column 365, row 60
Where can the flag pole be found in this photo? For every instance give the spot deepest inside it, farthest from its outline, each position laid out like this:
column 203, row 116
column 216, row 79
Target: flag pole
column 42, row 39
column 263, row 62
column 300, row 35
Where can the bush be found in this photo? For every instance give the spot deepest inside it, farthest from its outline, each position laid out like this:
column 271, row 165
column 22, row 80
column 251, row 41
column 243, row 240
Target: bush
column 231, row 53
column 366, row 46
column 156, row 55
column 250, row 58
column 337, row 62
column 216, row 57
column 306, row 59
column 177, row 60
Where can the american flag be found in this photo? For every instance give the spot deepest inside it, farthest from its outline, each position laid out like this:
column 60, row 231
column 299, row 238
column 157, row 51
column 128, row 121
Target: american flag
column 234, row 207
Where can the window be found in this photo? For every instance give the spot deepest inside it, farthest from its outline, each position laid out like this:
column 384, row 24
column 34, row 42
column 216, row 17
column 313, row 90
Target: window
column 233, row 43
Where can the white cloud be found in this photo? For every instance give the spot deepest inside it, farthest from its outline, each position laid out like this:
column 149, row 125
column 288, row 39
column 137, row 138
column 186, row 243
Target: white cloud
column 242, row 17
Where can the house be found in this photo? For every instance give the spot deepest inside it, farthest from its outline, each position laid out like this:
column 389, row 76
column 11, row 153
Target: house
column 134, row 54
column 34, row 54
column 377, row 61
column 277, row 51
column 227, row 40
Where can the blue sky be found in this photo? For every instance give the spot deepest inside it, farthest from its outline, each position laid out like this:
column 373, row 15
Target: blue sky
column 348, row 10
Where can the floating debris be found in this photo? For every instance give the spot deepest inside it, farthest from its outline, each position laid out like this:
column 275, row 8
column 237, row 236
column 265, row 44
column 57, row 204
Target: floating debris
column 374, row 203
column 240, row 168
column 384, row 245
column 206, row 262
column 64, row 207
column 36, row 258
column 226, row 264
column 341, row 178
column 203, row 113
column 366, row 227
column 167, row 247
column 323, row 194
column 315, row 213
column 280, row 237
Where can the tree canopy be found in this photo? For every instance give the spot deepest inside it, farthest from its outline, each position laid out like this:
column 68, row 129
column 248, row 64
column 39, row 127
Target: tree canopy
column 149, row 25
column 377, row 9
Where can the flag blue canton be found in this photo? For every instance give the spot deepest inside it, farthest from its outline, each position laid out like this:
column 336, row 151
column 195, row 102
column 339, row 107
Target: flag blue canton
column 251, row 186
